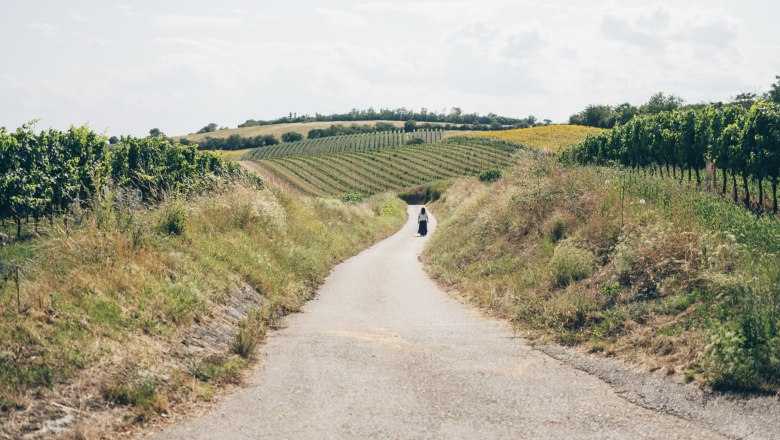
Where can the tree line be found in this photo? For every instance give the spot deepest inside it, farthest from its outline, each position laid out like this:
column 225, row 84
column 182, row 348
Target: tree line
column 48, row 173
column 740, row 142
column 455, row 116
column 607, row 116
column 232, row 142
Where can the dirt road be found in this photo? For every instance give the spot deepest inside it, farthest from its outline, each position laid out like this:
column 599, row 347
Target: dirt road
column 384, row 353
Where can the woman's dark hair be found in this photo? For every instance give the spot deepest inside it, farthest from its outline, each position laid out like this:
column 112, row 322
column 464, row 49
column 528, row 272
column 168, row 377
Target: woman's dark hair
column 422, row 211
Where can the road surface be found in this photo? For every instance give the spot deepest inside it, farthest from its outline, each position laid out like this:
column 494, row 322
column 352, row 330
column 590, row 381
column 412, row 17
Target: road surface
column 382, row 352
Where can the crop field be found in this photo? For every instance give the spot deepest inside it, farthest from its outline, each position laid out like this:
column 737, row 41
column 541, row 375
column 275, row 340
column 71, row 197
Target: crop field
column 368, row 172
column 552, row 138
column 344, row 144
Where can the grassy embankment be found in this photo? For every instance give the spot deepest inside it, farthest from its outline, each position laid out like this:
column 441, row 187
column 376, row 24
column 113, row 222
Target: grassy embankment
column 624, row 264
column 105, row 306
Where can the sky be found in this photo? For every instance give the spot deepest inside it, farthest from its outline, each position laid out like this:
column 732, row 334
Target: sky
column 125, row 66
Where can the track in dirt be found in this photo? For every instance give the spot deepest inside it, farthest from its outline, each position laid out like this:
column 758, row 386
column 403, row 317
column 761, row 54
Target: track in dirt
column 382, row 352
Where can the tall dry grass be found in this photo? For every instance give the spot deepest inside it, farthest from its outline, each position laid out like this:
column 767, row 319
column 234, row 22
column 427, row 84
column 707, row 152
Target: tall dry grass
column 621, row 262
column 105, row 303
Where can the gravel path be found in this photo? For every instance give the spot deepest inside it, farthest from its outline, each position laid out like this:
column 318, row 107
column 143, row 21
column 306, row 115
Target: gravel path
column 383, row 353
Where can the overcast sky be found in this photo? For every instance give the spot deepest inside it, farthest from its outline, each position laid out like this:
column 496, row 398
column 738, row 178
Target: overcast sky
column 127, row 66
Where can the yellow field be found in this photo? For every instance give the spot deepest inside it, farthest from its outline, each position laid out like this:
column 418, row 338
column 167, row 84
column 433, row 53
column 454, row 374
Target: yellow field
column 553, row 138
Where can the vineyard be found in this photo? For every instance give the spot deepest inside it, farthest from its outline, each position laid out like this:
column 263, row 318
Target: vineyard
column 552, row 138
column 342, row 144
column 742, row 144
column 48, row 174
column 373, row 171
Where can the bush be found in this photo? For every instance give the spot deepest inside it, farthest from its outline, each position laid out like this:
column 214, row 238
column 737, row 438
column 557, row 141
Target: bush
column 415, row 141
column 174, row 219
column 745, row 353
column 570, row 263
column 557, row 229
column 490, row 175
column 292, row 136
column 352, row 197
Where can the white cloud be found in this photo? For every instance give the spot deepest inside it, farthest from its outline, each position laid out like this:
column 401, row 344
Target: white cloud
column 77, row 17
column 198, row 22
column 126, row 10
column 342, row 18
column 99, row 41
column 47, row 29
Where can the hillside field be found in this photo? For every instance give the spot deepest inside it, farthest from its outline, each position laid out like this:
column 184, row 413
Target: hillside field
column 390, row 168
column 552, row 138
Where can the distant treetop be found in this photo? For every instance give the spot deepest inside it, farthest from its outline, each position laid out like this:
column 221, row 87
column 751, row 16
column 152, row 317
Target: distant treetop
column 454, row 116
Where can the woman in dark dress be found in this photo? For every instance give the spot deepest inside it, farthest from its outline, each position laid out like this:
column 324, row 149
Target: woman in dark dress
column 422, row 221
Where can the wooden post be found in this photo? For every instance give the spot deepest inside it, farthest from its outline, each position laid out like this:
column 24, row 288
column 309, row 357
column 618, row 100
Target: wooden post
column 18, row 294
column 710, row 175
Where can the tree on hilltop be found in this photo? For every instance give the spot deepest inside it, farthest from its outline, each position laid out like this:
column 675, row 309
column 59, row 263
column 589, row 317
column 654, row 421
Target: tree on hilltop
column 208, row 128
column 774, row 93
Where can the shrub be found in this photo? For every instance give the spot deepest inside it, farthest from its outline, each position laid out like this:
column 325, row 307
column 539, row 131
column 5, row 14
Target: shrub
column 745, row 353
column 174, row 219
column 490, row 175
column 291, row 136
column 251, row 331
column 570, row 263
column 557, row 229
column 415, row 141
column 352, row 197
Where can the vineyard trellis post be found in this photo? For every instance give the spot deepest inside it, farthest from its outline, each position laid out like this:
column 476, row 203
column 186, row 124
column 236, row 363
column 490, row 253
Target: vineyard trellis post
column 709, row 175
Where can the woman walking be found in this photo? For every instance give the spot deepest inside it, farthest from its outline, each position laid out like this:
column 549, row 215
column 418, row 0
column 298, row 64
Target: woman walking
column 422, row 221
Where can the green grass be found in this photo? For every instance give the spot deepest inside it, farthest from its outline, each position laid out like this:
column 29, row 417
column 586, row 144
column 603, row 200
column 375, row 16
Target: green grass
column 621, row 262
column 122, row 288
column 389, row 169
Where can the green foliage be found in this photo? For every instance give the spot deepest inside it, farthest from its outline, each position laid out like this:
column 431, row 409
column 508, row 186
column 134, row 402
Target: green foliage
column 292, row 136
column 605, row 116
column 212, row 127
column 233, row 142
column 422, row 194
column 490, row 175
column 174, row 219
column 774, row 93
column 744, row 352
column 456, row 119
column 746, row 145
column 389, row 169
column 415, row 141
column 220, row 369
column 570, row 263
column 352, row 197
column 344, row 130
column 144, row 394
column 48, row 173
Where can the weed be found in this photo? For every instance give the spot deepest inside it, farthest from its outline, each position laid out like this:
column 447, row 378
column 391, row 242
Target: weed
column 220, row 370
column 173, row 219
column 570, row 263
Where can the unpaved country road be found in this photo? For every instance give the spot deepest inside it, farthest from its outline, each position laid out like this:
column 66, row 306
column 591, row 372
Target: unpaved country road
column 384, row 353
